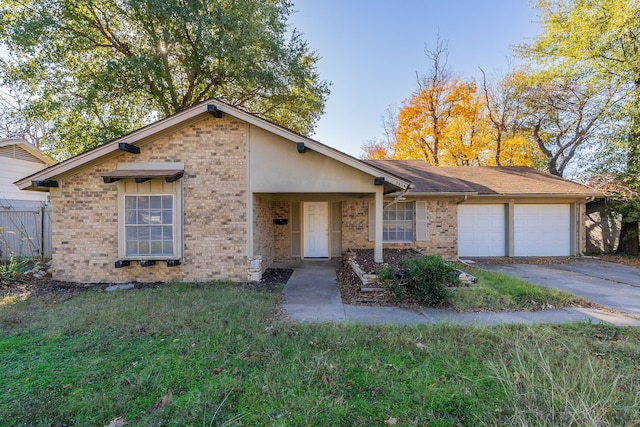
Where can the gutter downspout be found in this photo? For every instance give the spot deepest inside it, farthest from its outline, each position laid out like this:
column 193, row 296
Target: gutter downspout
column 399, row 198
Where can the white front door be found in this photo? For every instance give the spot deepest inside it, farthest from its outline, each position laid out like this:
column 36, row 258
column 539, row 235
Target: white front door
column 316, row 229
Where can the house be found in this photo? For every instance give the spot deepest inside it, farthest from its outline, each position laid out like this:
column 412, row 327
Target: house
column 17, row 159
column 214, row 192
column 24, row 216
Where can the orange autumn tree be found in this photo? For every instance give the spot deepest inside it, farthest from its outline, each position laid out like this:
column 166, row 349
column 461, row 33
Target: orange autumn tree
column 447, row 121
column 449, row 125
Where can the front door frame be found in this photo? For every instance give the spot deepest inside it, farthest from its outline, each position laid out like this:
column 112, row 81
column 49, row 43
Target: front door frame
column 326, row 225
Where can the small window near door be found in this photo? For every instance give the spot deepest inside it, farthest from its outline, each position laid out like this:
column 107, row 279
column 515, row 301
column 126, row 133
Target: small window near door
column 398, row 223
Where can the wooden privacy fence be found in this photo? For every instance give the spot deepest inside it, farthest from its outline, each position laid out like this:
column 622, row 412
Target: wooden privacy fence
column 25, row 232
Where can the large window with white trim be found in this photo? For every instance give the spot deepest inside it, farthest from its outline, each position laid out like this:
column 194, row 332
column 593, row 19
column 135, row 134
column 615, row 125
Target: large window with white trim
column 398, row 223
column 149, row 225
column 150, row 220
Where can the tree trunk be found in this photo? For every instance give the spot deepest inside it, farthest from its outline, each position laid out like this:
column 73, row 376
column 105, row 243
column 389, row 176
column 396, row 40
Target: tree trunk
column 629, row 242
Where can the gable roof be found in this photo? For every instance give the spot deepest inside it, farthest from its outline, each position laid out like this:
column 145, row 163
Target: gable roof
column 20, row 149
column 482, row 180
column 193, row 114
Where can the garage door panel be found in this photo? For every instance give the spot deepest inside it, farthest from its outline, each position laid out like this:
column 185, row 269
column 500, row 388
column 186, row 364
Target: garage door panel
column 481, row 230
column 542, row 230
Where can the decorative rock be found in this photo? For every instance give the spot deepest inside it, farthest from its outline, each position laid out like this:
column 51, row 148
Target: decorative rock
column 120, row 287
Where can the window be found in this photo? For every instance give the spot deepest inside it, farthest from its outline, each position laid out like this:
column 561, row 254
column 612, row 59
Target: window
column 149, row 225
column 400, row 222
column 149, row 219
column 397, row 222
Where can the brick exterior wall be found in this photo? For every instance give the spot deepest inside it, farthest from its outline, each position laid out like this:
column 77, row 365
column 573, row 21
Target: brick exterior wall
column 271, row 241
column 442, row 228
column 85, row 210
column 282, row 233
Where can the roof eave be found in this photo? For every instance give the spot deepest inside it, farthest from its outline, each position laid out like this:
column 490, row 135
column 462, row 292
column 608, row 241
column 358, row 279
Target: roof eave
column 53, row 171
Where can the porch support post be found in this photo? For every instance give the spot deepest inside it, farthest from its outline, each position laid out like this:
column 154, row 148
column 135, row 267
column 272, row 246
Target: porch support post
column 377, row 236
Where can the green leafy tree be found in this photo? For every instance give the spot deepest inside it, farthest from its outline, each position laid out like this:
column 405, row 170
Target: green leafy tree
column 599, row 40
column 97, row 69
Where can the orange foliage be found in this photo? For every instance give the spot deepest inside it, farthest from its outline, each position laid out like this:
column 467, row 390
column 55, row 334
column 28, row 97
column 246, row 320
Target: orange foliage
column 446, row 122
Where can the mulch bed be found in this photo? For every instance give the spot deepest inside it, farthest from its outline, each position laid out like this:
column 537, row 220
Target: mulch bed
column 57, row 291
column 350, row 285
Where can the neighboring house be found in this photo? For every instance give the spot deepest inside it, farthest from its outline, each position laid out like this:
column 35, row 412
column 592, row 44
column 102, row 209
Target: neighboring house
column 24, row 220
column 214, row 192
column 19, row 158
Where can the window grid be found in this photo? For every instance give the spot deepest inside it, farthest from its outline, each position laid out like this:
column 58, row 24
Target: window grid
column 397, row 223
column 149, row 225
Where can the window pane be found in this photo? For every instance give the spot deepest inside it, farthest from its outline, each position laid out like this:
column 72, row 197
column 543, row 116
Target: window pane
column 132, row 249
column 167, row 202
column 143, row 232
column 143, row 248
column 156, row 233
column 130, row 216
column 167, row 217
column 143, row 202
column 167, row 248
column 131, row 233
column 155, row 248
column 167, row 233
column 130, row 202
column 155, row 202
column 155, row 217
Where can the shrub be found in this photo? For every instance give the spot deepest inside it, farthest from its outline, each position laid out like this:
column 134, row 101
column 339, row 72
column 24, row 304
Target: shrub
column 424, row 277
column 427, row 277
column 390, row 278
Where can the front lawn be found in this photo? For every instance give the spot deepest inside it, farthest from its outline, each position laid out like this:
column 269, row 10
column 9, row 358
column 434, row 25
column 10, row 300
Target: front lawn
column 214, row 355
column 498, row 292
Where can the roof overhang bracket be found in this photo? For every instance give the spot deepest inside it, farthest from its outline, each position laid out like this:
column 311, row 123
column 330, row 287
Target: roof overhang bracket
column 379, row 180
column 47, row 183
column 301, row 147
column 214, row 111
column 125, row 146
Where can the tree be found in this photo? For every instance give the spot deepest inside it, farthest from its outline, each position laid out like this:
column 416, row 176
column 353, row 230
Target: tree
column 100, row 68
column 440, row 119
column 17, row 121
column 503, row 100
column 599, row 39
column 447, row 122
column 566, row 114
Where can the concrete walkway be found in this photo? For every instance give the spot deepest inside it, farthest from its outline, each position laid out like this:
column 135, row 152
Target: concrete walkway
column 312, row 296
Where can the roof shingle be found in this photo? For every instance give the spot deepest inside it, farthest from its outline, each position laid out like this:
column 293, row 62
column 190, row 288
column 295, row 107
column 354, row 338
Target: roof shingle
column 483, row 180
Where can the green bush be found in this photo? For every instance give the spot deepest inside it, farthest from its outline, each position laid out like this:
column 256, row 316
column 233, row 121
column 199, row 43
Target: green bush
column 424, row 277
column 389, row 279
column 427, row 277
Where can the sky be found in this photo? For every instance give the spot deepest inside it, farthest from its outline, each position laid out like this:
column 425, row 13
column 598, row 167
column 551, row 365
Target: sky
column 371, row 52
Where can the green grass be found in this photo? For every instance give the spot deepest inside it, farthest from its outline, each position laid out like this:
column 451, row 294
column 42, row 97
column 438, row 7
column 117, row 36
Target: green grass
column 497, row 291
column 212, row 355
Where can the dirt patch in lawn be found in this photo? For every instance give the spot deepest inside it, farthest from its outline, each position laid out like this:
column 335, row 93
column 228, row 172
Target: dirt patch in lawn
column 55, row 290
column 350, row 285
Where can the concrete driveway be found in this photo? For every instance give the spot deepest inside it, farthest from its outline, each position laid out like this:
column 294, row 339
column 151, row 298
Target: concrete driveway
column 613, row 286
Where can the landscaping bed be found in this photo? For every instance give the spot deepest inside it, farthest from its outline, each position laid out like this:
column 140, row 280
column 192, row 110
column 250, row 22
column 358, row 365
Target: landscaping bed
column 493, row 292
column 351, row 286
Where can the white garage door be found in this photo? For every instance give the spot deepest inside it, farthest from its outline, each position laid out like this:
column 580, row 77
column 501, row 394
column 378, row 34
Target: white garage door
column 481, row 230
column 542, row 230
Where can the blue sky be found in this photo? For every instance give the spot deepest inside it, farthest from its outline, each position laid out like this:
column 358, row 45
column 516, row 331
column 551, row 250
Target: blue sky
column 371, row 50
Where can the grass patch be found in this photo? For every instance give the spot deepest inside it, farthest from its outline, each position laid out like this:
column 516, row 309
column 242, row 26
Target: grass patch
column 498, row 292
column 212, row 355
